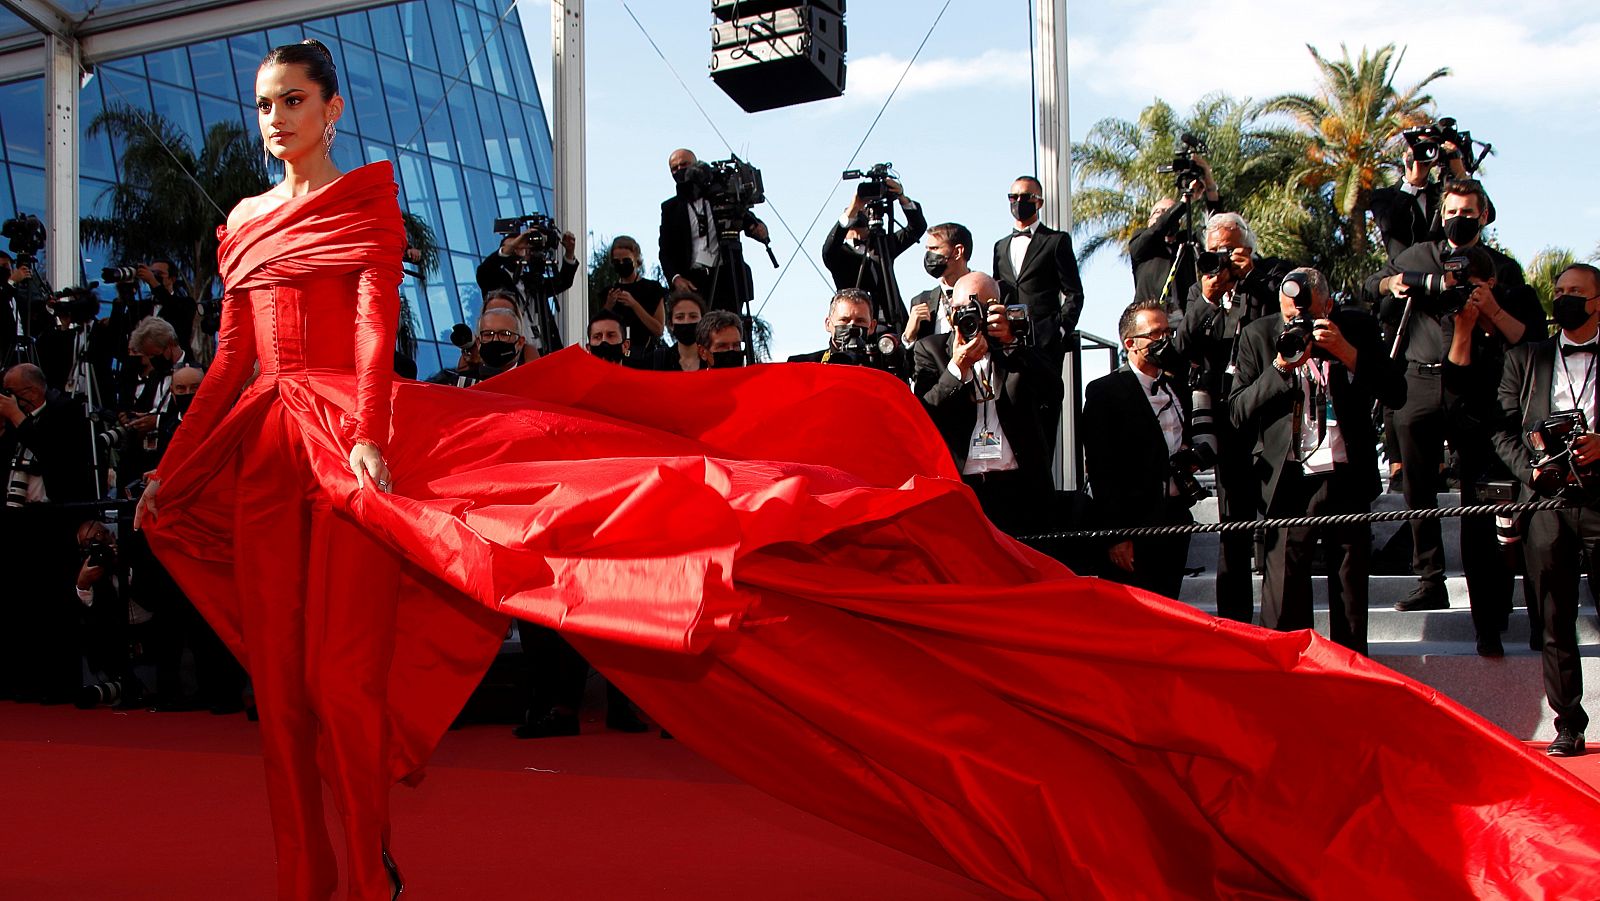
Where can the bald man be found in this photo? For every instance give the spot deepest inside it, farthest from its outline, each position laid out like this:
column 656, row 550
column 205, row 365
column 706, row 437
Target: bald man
column 985, row 391
column 690, row 255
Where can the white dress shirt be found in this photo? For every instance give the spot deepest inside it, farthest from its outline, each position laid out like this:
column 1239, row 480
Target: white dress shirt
column 1019, row 247
column 988, row 450
column 1573, row 384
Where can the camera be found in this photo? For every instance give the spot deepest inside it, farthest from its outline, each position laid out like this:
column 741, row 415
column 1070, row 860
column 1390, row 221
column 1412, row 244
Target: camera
column 17, row 482
column 1507, row 529
column 461, row 334
column 969, row 318
column 1213, row 262
column 1448, row 292
column 1184, row 170
column 106, row 693
column 114, row 437
column 98, row 553
column 732, row 186
column 1426, row 143
column 543, row 238
column 1021, row 322
column 78, row 306
column 852, row 346
column 119, row 275
column 873, row 191
column 1552, row 439
column 1296, row 337
column 26, row 234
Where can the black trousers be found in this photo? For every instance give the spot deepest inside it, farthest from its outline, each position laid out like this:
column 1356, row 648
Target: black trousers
column 175, row 625
column 1013, row 499
column 1238, row 499
column 1554, row 540
column 1158, row 561
column 1286, row 587
column 719, row 287
column 40, row 653
column 1433, row 414
column 556, row 674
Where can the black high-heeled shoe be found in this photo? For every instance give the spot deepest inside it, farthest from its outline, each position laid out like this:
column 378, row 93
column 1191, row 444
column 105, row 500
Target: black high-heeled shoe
column 394, row 875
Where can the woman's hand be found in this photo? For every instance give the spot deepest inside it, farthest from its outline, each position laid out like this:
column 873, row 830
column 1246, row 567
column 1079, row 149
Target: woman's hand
column 146, row 511
column 367, row 463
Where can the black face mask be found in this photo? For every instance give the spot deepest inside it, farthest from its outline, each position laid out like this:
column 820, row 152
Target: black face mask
column 1024, row 210
column 935, row 263
column 684, row 332
column 1571, row 311
column 1163, row 355
column 1462, row 230
column 623, row 266
column 727, row 359
column 179, row 403
column 605, row 350
column 499, row 354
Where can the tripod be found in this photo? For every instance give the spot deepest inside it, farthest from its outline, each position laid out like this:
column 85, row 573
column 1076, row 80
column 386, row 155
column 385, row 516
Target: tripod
column 1193, row 248
column 730, row 260
column 541, row 307
column 888, row 309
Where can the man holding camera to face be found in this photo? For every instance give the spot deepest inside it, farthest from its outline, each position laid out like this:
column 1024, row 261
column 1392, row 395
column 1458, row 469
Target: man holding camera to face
column 691, row 249
column 985, row 390
column 1424, row 292
column 518, row 266
column 499, row 347
column 854, row 254
column 1160, row 253
column 1307, row 379
column 1546, row 436
column 853, row 338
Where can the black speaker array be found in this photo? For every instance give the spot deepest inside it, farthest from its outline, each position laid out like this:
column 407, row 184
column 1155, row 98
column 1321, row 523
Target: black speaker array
column 774, row 53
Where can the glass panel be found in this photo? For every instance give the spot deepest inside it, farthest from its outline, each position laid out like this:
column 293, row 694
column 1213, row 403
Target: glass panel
column 517, row 146
column 419, row 34
column 473, row 39
column 353, row 28
column 180, row 108
column 441, row 306
column 507, row 199
column 132, row 65
column 22, row 118
column 246, row 51
column 377, row 152
column 480, row 200
column 401, row 99
column 468, row 297
column 418, row 183
column 214, row 112
column 171, row 66
column 428, row 357
column 535, row 200
column 292, row 34
column 519, row 60
column 347, row 152
column 452, row 203
column 436, row 114
column 387, row 35
column 94, row 151
column 365, row 95
column 494, row 136
column 468, row 133
column 494, row 55
column 7, row 207
column 28, row 185
column 447, row 37
column 120, row 88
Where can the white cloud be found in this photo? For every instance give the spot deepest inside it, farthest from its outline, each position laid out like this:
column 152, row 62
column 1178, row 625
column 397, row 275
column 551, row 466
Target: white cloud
column 869, row 79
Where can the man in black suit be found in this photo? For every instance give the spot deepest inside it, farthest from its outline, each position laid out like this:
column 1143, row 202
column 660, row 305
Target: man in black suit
column 1408, row 213
column 854, row 264
column 168, row 299
column 1439, row 409
column 690, row 254
column 1154, row 251
column 947, row 256
column 851, row 330
column 1133, row 422
column 516, row 268
column 1305, row 389
column 984, row 389
column 1558, row 374
column 1035, row 266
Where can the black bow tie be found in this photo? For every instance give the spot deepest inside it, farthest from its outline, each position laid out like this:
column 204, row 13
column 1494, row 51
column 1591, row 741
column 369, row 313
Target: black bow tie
column 1021, row 233
column 1161, row 382
column 1568, row 350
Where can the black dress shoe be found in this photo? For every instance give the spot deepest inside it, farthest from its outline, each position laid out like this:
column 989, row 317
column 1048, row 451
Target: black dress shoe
column 394, row 875
column 1424, row 597
column 1490, row 646
column 1568, row 743
column 626, row 721
column 551, row 725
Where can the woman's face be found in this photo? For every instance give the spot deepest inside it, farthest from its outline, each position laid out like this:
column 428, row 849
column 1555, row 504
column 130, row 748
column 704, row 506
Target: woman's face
column 291, row 112
column 685, row 312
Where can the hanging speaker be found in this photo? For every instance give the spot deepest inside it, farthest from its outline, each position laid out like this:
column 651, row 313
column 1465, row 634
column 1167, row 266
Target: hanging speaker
column 779, row 56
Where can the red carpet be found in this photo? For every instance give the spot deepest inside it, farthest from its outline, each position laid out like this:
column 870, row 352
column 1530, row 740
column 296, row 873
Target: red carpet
column 155, row 807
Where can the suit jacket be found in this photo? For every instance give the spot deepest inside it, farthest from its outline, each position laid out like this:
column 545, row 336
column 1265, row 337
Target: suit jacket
column 1401, row 220
column 844, row 263
column 676, row 248
column 1048, row 283
column 501, row 272
column 58, row 435
column 933, row 297
column 1525, row 384
column 813, row 357
column 1124, row 451
column 1263, row 400
column 1024, row 382
column 1205, row 337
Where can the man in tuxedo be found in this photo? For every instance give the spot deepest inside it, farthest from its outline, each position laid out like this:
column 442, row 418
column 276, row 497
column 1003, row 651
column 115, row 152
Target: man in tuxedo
column 169, row 299
column 1133, row 422
column 1539, row 378
column 1154, row 251
column 984, row 389
column 947, row 256
column 515, row 268
column 1408, row 213
column 1035, row 266
column 500, row 349
column 854, row 264
column 690, row 253
column 1305, row 389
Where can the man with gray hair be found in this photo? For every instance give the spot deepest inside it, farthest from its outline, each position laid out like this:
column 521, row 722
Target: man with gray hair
column 499, row 341
column 1303, row 396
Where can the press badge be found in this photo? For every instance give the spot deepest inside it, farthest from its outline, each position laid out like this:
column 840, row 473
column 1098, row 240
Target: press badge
column 985, row 446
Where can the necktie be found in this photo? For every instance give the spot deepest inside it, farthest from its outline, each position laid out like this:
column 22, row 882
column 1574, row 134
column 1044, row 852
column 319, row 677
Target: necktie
column 1568, row 350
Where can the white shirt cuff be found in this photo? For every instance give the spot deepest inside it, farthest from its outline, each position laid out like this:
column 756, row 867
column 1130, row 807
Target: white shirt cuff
column 1409, row 188
column 845, row 220
column 955, row 372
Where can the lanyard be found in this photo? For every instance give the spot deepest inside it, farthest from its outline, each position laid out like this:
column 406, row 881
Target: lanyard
column 1577, row 397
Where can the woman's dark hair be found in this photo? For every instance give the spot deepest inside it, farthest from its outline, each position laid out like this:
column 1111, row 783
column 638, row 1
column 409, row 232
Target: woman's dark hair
column 312, row 54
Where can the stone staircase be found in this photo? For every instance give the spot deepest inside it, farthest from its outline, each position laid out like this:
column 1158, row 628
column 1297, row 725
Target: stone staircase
column 1435, row 647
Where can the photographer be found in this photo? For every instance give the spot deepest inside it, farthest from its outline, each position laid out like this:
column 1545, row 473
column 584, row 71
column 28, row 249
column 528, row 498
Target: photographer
column 1162, row 250
column 1424, row 290
column 24, row 314
column 154, row 343
column 519, row 265
column 498, row 348
column 719, row 337
column 1035, row 266
column 1407, row 214
column 853, row 339
column 947, row 257
column 984, row 390
column 690, row 250
column 1304, row 394
column 1134, row 429
column 685, row 308
column 105, row 615
column 636, row 300
column 1541, row 381
column 168, row 299
column 854, row 249
column 1235, row 289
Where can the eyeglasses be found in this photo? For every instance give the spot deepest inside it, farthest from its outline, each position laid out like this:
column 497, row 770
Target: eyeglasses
column 1156, row 335
column 498, row 335
column 1022, row 196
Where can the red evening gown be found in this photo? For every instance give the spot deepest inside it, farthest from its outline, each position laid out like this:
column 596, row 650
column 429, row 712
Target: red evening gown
column 781, row 565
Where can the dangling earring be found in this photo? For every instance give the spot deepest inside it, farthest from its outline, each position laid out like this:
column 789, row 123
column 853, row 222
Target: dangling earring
column 328, row 135
column 266, row 159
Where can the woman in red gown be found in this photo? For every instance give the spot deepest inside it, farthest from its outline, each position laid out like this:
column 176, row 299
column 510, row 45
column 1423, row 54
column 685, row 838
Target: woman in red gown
column 823, row 611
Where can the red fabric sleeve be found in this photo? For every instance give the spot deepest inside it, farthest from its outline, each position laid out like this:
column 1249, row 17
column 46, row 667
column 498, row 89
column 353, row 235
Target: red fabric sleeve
column 377, row 317
column 232, row 368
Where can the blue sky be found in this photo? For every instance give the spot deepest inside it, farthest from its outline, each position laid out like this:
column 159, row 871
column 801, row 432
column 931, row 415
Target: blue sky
column 1525, row 78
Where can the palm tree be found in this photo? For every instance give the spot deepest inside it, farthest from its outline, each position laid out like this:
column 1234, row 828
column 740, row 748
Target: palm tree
column 1351, row 124
column 1543, row 270
column 1115, row 166
column 422, row 244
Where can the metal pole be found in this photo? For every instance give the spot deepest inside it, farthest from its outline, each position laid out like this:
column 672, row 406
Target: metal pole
column 61, row 84
column 568, row 133
column 1055, row 175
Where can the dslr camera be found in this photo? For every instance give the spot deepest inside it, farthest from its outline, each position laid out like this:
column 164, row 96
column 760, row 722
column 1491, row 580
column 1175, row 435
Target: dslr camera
column 1426, row 143
column 1183, row 169
column 1295, row 341
column 1552, row 439
column 1446, row 293
column 852, row 346
column 75, row 306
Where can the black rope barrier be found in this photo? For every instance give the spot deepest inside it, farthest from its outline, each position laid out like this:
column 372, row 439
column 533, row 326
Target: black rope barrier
column 1297, row 521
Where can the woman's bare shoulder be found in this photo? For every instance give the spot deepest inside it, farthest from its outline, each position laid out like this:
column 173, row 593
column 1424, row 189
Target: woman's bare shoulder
column 251, row 207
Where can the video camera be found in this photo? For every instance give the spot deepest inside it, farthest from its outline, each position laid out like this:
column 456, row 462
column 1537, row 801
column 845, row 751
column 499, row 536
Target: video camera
column 1296, row 337
column 1448, row 292
column 873, row 190
column 27, row 236
column 732, row 186
column 1552, row 438
column 543, row 237
column 77, row 306
column 1426, row 143
column 1184, row 170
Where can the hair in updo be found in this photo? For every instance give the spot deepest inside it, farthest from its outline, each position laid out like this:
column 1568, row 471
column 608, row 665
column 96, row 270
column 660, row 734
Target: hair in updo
column 314, row 56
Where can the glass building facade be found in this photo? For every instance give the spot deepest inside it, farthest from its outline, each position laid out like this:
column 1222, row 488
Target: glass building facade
column 442, row 88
